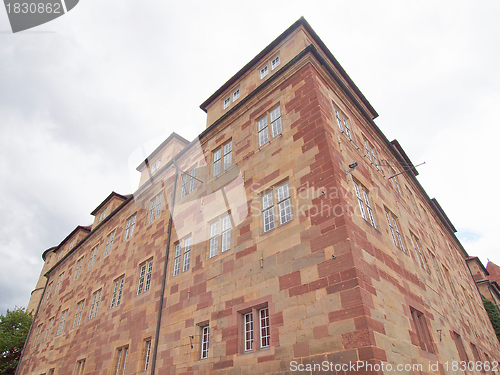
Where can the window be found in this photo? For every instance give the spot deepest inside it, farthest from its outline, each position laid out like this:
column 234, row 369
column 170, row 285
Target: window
column 370, row 152
column 50, row 324
column 223, row 158
column 423, row 334
column 178, row 259
column 121, row 360
column 227, row 102
column 394, row 229
column 187, row 254
column 394, row 180
column 129, row 229
column 78, row 314
column 436, row 268
column 343, row 122
column 78, row 268
column 224, row 223
column 51, row 371
column 236, row 94
column 275, row 62
column 418, row 252
column 103, row 214
column 62, row 322
column 156, row 166
column 116, row 298
column 284, row 204
column 256, row 327
column 448, row 278
column 37, row 335
column 263, row 71
column 145, row 276
column 109, row 243
column 155, row 207
column 364, row 200
column 192, row 182
column 460, row 347
column 59, row 282
column 205, row 335
column 80, row 366
column 184, row 185
column 93, row 255
column 147, row 353
column 96, row 297
column 263, row 128
column 49, row 289
column 72, row 244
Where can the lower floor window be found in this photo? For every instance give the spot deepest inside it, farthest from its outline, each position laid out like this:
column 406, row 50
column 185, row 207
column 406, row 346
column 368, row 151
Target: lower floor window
column 205, row 333
column 256, row 327
column 121, row 360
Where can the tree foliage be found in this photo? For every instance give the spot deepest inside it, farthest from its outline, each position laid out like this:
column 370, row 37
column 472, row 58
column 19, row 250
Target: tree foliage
column 14, row 327
column 494, row 316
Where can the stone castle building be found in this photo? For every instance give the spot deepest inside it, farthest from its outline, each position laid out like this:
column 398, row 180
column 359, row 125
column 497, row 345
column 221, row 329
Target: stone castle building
column 290, row 235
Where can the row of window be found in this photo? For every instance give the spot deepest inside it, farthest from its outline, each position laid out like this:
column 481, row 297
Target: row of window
column 367, row 213
column 256, row 326
column 144, row 284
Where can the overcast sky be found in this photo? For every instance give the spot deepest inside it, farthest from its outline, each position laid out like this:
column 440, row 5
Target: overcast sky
column 84, row 97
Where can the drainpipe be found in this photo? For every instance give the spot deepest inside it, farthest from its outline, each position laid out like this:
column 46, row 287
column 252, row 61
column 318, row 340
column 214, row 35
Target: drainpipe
column 165, row 264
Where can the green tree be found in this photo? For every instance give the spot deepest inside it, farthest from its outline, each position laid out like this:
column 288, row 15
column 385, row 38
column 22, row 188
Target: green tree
column 494, row 316
column 14, row 327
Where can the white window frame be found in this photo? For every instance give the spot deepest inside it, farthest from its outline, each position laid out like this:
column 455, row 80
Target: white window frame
column 96, row 298
column 59, row 282
column 78, row 268
column 222, row 158
column 37, row 335
column 78, row 314
column 256, row 327
column 62, row 322
column 129, row 229
column 49, row 289
column 226, row 102
column 192, row 180
column 394, row 229
column 177, row 259
column 236, row 94
column 187, row 254
column 275, row 62
column 248, row 325
column 265, row 328
column 109, row 243
column 155, row 207
column 147, row 353
column 116, row 298
column 273, row 118
column 120, row 366
column 364, row 204
column 146, row 269
column 93, row 255
column 264, row 71
column 50, row 324
column 394, row 180
column 205, row 341
column 343, row 122
column 220, row 232
column 103, row 214
column 418, row 252
column 283, row 204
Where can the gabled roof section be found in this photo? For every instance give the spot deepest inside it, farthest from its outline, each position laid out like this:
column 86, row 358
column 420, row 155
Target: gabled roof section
column 171, row 137
column 494, row 271
column 105, row 201
column 300, row 22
